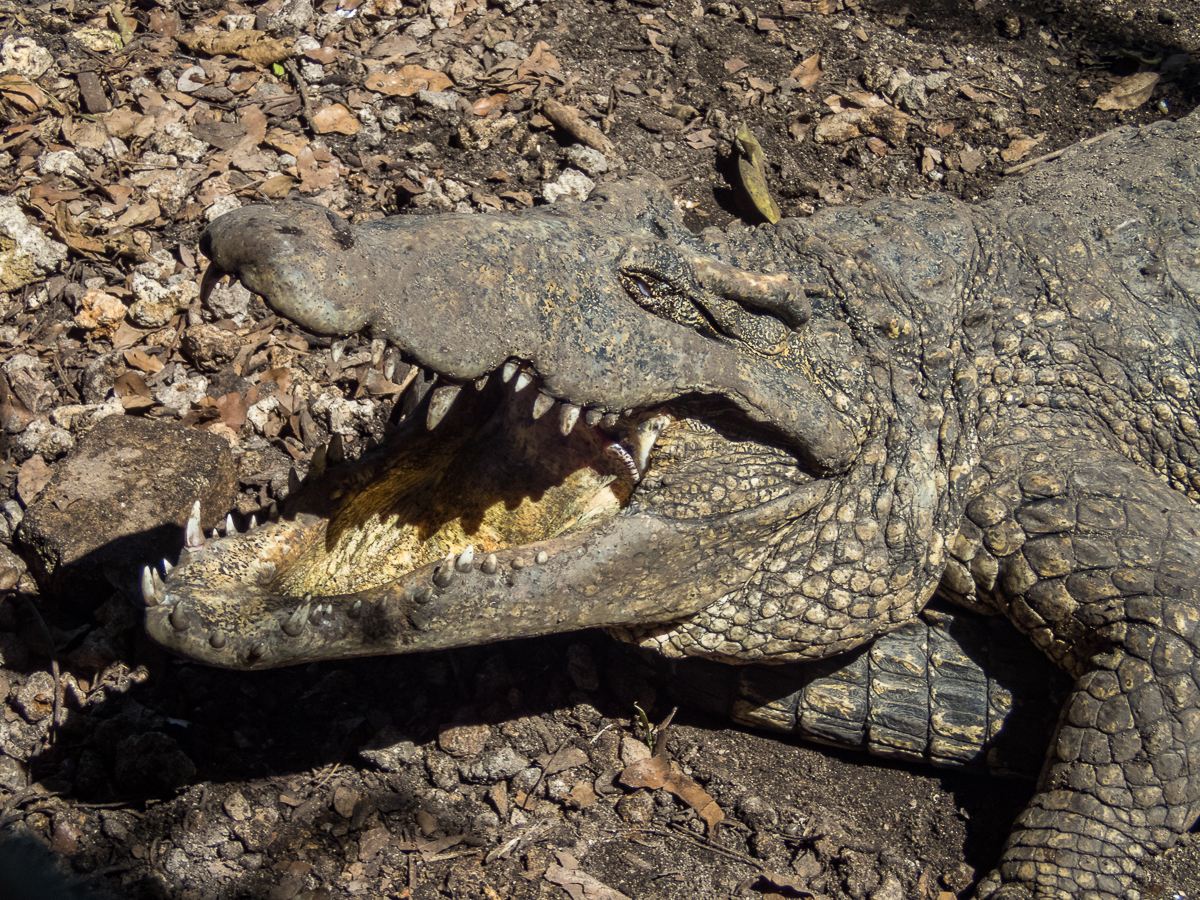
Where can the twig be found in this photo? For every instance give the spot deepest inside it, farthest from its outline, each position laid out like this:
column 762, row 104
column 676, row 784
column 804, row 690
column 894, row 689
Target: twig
column 1030, row 163
column 302, row 89
column 680, row 831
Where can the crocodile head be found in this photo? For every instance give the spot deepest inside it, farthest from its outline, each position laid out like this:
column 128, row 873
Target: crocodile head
column 609, row 428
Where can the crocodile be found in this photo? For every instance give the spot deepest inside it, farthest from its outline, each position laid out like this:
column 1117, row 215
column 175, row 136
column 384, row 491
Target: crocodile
column 769, row 446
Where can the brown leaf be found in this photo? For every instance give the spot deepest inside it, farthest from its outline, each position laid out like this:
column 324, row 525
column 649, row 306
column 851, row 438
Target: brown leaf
column 1129, row 93
column 808, row 72
column 408, row 81
column 144, row 361
column 252, row 46
column 69, row 233
column 735, row 65
column 285, row 141
column 140, row 214
column 336, row 118
column 277, row 186
column 656, row 772
column 22, row 93
column 130, row 384
column 233, row 408
column 33, row 475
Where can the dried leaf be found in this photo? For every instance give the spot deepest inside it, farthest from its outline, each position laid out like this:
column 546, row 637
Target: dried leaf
column 252, row 46
column 655, row 773
column 22, row 93
column 1130, row 93
column 752, row 171
column 808, row 73
column 735, row 65
column 139, row 359
column 33, row 475
column 336, row 118
column 701, row 140
column 408, row 81
column 233, row 408
column 131, row 384
column 285, row 141
column 140, row 214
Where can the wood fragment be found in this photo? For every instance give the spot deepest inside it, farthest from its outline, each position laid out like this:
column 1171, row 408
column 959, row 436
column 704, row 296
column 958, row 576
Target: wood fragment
column 569, row 120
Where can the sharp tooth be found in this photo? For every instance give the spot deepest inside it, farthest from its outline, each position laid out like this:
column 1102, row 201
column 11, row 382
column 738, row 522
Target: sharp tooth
column 522, row 382
column 336, row 451
column 167, row 567
column 215, row 534
column 509, row 370
column 179, row 618
column 439, row 404
column 230, row 528
column 257, row 652
column 416, row 392
column 193, row 537
column 465, row 559
column 293, row 481
column 567, row 417
column 273, row 512
column 355, row 611
column 481, row 383
column 294, row 624
column 378, row 346
column 150, row 595
column 592, row 417
column 642, row 441
column 252, row 524
column 444, row 573
column 335, row 350
column 542, row 405
column 217, row 639
column 490, row 564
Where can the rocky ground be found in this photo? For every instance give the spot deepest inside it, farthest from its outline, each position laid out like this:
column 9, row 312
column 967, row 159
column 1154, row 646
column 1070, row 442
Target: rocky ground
column 487, row 772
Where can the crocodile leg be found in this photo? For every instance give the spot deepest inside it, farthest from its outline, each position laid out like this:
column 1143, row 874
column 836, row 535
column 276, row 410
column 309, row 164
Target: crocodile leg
column 1096, row 560
column 951, row 688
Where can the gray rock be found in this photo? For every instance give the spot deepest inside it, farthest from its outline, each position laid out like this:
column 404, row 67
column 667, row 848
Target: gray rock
column 494, row 766
column 31, row 256
column 120, row 501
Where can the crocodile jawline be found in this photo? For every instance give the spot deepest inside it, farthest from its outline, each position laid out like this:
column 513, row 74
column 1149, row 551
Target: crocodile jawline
column 449, row 536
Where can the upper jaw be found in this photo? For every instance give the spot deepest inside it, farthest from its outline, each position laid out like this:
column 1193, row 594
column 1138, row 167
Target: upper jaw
column 550, row 292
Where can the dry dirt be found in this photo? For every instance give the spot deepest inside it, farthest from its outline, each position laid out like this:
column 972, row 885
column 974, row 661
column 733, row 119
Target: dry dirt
column 166, row 779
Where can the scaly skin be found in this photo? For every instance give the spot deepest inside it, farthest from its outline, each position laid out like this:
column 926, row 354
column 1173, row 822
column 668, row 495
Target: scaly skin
column 850, row 412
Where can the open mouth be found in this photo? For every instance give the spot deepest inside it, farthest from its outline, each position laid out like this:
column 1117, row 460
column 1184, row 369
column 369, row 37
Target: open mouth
column 491, row 499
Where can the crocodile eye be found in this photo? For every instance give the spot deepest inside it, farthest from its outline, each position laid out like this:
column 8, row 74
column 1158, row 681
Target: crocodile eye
column 664, row 298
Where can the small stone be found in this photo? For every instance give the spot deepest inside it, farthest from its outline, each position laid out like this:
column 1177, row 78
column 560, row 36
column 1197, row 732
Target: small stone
column 571, row 183
column 494, row 766
column 236, row 807
column 155, row 303
column 345, row 798
column 463, row 741
column 443, row 100
column 633, row 750
column 390, row 752
column 590, row 160
column 26, row 255
column 209, row 347
column 25, row 57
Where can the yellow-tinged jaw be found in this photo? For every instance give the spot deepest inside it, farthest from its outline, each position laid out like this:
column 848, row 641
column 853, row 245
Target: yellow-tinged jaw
column 485, row 479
